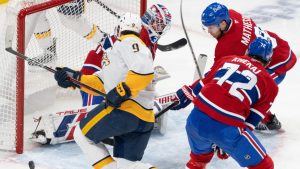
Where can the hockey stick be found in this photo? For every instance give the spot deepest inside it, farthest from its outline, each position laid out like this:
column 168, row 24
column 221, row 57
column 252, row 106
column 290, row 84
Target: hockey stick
column 172, row 46
column 189, row 42
column 8, row 47
column 201, row 61
column 165, row 48
column 166, row 109
column 76, row 82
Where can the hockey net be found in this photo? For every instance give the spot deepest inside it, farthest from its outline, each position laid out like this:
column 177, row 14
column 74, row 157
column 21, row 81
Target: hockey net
column 26, row 88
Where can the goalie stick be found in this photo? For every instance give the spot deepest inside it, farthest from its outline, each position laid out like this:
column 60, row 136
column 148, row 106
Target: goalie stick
column 165, row 48
column 172, row 46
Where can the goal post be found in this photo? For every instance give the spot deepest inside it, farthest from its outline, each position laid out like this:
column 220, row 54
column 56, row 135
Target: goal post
column 71, row 48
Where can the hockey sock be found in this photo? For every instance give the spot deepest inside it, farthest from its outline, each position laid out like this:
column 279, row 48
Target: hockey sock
column 266, row 163
column 199, row 161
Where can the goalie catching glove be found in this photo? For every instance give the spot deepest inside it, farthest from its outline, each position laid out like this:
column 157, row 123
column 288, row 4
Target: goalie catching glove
column 62, row 74
column 118, row 95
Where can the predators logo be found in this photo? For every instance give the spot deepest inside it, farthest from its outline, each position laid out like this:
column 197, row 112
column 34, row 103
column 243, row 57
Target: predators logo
column 105, row 61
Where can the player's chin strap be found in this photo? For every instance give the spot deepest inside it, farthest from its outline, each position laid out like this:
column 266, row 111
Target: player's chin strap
column 165, row 48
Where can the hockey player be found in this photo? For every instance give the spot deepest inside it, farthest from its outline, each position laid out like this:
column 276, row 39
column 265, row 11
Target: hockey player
column 127, row 112
column 234, row 33
column 156, row 21
column 229, row 102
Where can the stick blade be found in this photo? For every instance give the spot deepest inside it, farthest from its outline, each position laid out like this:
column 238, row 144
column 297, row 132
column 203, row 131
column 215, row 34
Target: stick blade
column 173, row 46
column 201, row 61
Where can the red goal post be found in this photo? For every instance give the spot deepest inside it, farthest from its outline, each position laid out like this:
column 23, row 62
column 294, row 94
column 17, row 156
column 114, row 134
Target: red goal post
column 138, row 6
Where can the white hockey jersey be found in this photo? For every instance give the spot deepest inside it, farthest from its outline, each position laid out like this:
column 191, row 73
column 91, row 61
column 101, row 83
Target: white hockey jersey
column 129, row 61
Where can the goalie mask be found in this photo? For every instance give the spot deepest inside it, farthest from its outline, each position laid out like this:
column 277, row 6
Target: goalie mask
column 129, row 22
column 157, row 20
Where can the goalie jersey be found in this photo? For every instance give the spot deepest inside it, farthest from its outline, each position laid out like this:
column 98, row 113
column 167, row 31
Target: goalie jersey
column 129, row 61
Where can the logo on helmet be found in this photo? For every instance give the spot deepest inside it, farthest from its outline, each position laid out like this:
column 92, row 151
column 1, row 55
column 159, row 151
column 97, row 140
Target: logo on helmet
column 129, row 22
column 261, row 49
column 214, row 14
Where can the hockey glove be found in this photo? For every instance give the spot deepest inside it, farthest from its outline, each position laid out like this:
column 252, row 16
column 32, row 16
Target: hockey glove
column 185, row 97
column 117, row 95
column 61, row 76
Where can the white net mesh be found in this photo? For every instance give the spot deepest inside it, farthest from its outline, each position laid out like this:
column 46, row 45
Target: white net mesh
column 61, row 36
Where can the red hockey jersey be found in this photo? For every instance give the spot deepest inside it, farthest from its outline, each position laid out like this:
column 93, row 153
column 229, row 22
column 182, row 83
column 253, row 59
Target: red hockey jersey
column 93, row 61
column 242, row 31
column 237, row 88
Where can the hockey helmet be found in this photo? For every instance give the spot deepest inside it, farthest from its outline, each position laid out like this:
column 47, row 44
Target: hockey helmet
column 261, row 49
column 129, row 22
column 157, row 20
column 214, row 14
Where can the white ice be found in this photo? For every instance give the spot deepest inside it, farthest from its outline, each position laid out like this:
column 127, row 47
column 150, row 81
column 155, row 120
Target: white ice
column 171, row 151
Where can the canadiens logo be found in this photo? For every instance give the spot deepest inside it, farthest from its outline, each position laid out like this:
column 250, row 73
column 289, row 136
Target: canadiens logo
column 247, row 157
column 105, row 61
